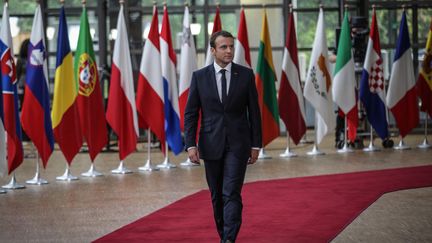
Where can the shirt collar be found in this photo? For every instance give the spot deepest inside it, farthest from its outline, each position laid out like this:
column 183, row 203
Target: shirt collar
column 218, row 68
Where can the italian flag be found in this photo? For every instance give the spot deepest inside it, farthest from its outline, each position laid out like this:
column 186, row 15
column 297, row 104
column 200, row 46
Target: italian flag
column 344, row 83
column 265, row 81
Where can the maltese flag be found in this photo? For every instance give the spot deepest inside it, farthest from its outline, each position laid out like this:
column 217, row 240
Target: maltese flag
column 188, row 64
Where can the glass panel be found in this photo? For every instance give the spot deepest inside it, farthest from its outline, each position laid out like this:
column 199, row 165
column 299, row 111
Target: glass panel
column 254, row 23
column 306, row 25
column 146, row 3
column 315, row 3
column 70, row 3
column 233, row 2
column 21, row 7
column 424, row 22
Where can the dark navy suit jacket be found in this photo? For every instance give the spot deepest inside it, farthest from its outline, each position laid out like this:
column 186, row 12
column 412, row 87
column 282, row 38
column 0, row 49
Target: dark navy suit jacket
column 238, row 121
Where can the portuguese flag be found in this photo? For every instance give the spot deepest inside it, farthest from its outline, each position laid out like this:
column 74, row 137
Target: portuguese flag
column 90, row 101
column 265, row 81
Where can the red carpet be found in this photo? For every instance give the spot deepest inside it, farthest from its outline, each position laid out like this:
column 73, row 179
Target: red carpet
column 306, row 209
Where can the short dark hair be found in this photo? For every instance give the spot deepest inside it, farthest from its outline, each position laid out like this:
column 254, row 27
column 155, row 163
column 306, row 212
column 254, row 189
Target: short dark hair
column 215, row 35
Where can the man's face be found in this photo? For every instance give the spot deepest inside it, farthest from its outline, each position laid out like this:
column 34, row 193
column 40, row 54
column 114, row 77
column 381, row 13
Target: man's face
column 224, row 50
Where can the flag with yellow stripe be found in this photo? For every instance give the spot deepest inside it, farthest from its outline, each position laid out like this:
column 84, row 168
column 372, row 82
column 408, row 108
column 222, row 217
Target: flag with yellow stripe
column 65, row 116
column 265, row 79
column 424, row 82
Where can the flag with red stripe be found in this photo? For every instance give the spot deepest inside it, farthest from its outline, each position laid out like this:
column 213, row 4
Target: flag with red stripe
column 35, row 114
column 290, row 99
column 242, row 51
column 150, row 91
column 121, row 112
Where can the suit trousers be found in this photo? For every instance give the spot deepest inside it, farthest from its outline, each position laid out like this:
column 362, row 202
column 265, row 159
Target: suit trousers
column 225, row 179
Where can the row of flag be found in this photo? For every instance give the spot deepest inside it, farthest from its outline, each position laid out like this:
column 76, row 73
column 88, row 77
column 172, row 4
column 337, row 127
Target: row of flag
column 78, row 115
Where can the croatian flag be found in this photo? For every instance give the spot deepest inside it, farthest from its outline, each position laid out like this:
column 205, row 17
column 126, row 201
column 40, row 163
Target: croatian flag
column 121, row 112
column 188, row 64
column 35, row 116
column 10, row 96
column 150, row 91
column 172, row 113
column 402, row 94
column 372, row 92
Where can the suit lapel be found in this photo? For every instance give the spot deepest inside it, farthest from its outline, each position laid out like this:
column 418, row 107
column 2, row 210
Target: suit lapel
column 213, row 86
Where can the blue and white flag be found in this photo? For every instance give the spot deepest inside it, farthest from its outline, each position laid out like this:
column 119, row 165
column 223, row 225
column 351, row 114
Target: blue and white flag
column 172, row 111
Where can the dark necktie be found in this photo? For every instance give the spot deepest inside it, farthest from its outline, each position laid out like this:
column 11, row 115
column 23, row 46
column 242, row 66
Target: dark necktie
column 224, row 86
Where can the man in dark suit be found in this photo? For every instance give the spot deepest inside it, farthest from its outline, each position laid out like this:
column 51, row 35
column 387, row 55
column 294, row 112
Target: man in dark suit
column 225, row 95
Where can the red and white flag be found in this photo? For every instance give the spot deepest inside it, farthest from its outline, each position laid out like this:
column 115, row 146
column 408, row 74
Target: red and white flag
column 150, row 91
column 402, row 94
column 188, row 64
column 290, row 100
column 217, row 26
column 242, row 51
column 121, row 111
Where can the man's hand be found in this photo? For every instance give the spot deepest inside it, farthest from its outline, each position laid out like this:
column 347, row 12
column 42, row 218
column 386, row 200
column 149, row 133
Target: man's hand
column 194, row 155
column 254, row 156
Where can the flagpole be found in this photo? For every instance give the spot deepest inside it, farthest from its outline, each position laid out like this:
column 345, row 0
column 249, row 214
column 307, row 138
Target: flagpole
column 148, row 166
column 425, row 144
column 92, row 172
column 67, row 176
column 288, row 153
column 13, row 184
column 36, row 179
column 371, row 147
column 166, row 164
column 315, row 150
column 345, row 148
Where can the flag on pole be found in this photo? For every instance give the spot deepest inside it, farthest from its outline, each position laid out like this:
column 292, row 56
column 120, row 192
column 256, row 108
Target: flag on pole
column 217, row 26
column 317, row 88
column 90, row 100
column 372, row 92
column 172, row 112
column 265, row 79
column 290, row 100
column 424, row 81
column 121, row 112
column 242, row 51
column 10, row 96
column 35, row 114
column 3, row 163
column 344, row 83
column 402, row 94
column 150, row 91
column 187, row 64
column 65, row 115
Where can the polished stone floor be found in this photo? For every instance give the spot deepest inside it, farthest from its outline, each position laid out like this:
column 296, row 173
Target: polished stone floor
column 86, row 209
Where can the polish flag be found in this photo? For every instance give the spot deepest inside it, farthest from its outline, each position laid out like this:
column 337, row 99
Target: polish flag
column 242, row 51
column 121, row 112
column 150, row 91
column 402, row 94
column 290, row 100
column 188, row 64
